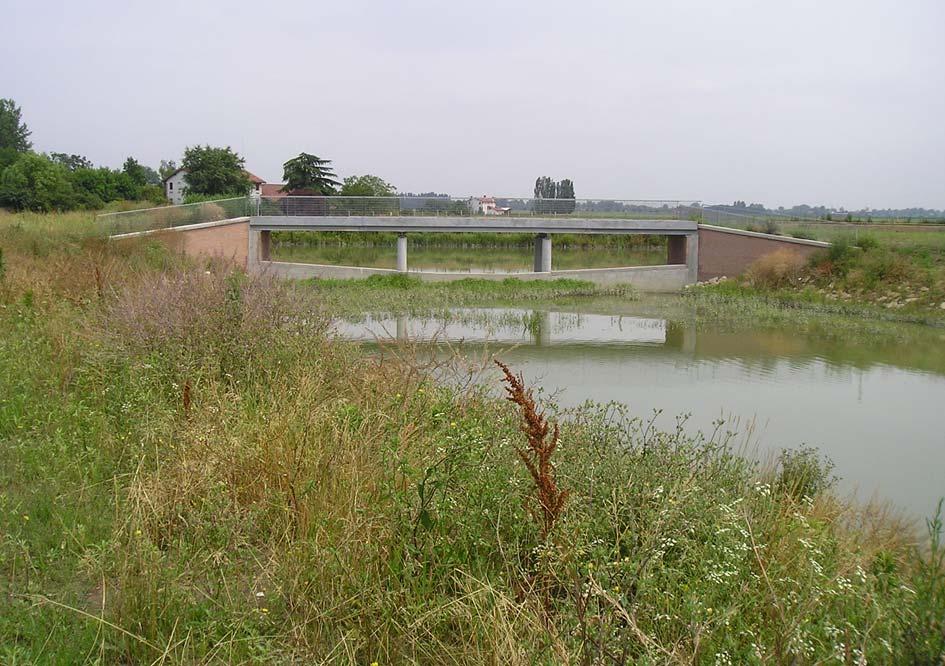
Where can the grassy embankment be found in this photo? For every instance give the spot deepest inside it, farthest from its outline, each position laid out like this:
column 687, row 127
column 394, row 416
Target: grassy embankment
column 879, row 273
column 194, row 472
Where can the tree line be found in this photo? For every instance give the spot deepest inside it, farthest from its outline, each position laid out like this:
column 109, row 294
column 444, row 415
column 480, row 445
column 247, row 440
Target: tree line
column 59, row 181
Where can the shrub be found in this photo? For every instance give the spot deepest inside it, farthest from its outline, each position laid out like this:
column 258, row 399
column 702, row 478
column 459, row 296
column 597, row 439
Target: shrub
column 867, row 242
column 840, row 251
column 804, row 472
column 885, row 267
column 34, row 182
column 772, row 227
column 775, row 270
column 803, row 234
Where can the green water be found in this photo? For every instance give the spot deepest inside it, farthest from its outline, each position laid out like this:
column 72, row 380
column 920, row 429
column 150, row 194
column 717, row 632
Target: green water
column 870, row 396
column 470, row 260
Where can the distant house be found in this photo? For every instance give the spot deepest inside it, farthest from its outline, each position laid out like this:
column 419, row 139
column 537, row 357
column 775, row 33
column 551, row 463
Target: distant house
column 486, row 206
column 276, row 191
column 175, row 186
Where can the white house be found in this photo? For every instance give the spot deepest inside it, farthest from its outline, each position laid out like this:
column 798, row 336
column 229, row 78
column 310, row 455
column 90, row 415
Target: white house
column 486, row 206
column 175, row 186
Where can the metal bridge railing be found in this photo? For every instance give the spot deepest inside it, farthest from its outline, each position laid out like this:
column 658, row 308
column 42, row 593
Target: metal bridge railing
column 166, row 217
column 416, row 206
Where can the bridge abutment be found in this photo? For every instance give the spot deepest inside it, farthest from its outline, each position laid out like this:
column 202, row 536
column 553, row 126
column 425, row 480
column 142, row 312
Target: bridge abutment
column 684, row 249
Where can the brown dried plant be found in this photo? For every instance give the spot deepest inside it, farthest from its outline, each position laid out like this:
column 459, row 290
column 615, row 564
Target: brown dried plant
column 542, row 441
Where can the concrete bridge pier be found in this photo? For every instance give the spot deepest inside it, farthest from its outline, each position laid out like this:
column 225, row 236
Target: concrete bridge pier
column 402, row 252
column 542, row 253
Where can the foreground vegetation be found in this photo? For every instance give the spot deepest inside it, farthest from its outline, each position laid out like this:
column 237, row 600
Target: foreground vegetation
column 194, row 471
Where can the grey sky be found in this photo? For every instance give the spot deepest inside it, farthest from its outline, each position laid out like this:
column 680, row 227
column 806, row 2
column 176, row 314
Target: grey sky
column 836, row 102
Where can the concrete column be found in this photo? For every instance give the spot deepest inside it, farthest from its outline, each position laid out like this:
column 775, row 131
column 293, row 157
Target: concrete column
column 544, row 253
column 536, row 264
column 692, row 257
column 402, row 253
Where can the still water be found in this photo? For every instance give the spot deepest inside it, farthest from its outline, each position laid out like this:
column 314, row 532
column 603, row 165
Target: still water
column 470, row 260
column 876, row 407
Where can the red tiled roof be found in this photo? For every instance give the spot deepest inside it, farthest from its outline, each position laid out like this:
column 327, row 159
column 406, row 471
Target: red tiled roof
column 275, row 190
column 253, row 178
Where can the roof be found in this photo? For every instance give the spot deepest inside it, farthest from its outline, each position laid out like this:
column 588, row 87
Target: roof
column 272, row 189
column 171, row 175
column 275, row 190
column 253, row 178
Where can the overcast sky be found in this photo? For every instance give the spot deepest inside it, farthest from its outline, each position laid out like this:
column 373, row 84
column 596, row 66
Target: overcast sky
column 835, row 102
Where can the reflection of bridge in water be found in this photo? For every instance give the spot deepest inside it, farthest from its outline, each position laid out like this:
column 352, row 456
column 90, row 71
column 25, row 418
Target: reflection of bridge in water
column 538, row 328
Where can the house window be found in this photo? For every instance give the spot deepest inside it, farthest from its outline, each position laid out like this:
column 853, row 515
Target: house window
column 171, row 185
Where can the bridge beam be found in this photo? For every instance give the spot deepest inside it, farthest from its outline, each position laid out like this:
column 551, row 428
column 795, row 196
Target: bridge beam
column 402, row 253
column 542, row 262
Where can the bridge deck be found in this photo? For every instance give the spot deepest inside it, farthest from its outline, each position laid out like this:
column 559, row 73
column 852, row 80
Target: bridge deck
column 497, row 224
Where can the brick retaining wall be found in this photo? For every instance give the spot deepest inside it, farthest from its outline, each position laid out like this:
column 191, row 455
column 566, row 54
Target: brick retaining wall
column 728, row 252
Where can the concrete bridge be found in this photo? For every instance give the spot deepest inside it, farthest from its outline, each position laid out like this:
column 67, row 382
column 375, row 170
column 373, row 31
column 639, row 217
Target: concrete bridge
column 694, row 251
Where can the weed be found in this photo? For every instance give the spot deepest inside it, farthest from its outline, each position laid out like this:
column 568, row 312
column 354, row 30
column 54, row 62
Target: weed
column 804, row 472
column 541, row 445
column 775, row 270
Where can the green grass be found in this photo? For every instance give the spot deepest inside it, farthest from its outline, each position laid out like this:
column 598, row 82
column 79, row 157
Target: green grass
column 895, row 275
column 407, row 294
column 195, row 472
column 464, row 239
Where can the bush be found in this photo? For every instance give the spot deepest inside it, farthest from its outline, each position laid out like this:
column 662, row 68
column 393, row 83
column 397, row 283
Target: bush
column 775, row 270
column 34, row 182
column 804, row 472
column 802, row 234
column 867, row 242
column 772, row 227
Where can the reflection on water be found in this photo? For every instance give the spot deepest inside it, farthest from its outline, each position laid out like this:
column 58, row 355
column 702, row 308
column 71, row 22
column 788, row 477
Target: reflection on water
column 876, row 411
column 467, row 260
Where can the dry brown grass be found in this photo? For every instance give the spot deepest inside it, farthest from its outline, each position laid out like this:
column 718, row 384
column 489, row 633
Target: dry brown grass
column 775, row 270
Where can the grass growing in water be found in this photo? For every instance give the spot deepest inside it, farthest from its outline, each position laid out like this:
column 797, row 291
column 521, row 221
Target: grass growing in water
column 302, row 501
column 408, row 294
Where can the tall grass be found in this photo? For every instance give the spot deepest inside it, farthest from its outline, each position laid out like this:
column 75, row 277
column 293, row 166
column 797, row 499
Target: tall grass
column 195, row 471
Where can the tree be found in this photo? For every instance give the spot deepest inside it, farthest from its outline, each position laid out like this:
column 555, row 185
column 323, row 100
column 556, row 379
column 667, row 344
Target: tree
column 167, row 168
column 367, row 186
column 215, row 171
column 34, row 182
column 545, row 188
column 71, row 162
column 309, row 172
column 140, row 174
column 562, row 192
column 14, row 134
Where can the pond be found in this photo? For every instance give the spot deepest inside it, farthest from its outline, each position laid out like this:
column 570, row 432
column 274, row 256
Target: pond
column 471, row 260
column 874, row 404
